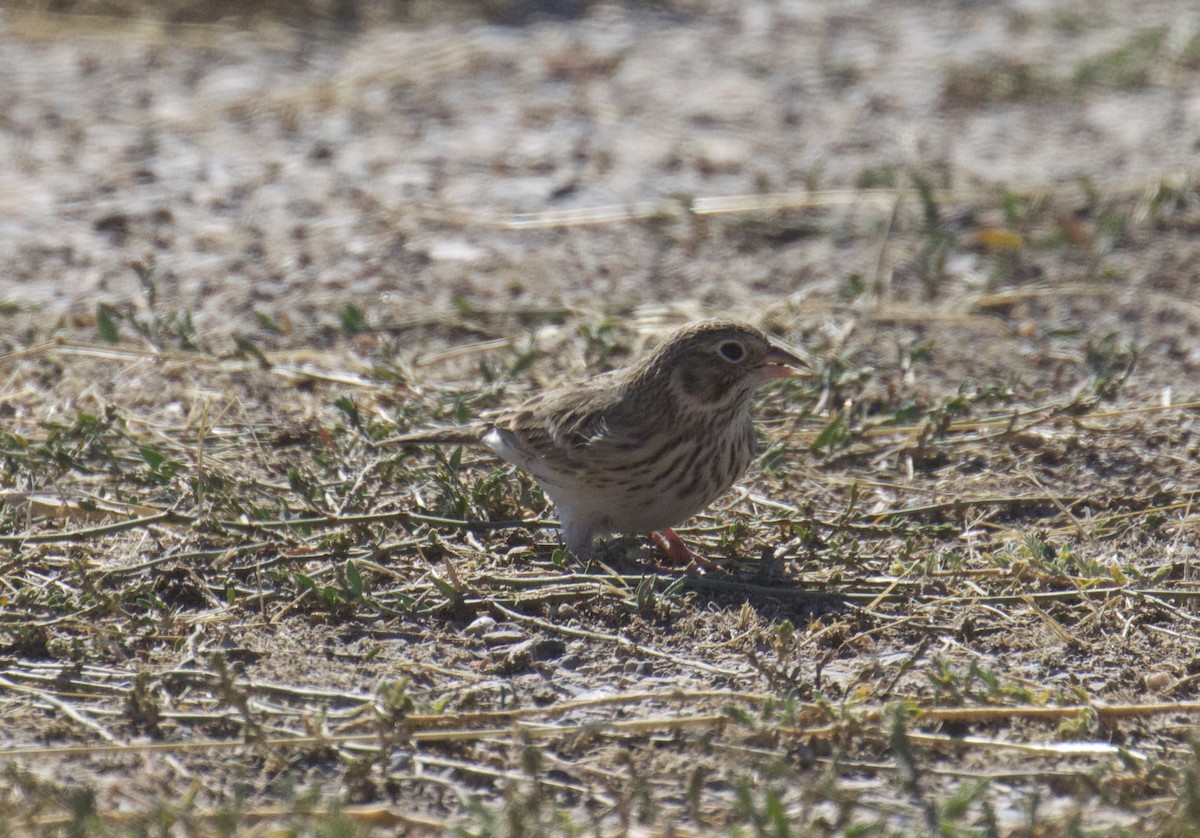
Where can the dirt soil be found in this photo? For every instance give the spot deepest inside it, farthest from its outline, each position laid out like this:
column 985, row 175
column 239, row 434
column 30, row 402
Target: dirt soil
column 958, row 593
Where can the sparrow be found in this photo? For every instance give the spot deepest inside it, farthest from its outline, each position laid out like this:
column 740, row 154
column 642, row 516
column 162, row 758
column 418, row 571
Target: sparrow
column 644, row 448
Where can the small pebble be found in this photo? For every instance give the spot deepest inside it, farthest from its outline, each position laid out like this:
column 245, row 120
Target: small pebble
column 1158, row 681
column 480, row 625
column 503, row 637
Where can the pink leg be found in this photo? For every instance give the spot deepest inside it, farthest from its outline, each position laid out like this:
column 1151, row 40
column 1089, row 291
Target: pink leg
column 678, row 553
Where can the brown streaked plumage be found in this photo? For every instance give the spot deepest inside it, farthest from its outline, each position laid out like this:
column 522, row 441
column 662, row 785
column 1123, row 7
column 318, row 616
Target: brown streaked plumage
column 644, row 448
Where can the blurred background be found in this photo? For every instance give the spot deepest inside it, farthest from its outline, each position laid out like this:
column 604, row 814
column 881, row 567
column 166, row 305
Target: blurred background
column 273, row 157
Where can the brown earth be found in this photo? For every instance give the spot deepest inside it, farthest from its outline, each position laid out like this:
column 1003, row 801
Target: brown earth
column 959, row 591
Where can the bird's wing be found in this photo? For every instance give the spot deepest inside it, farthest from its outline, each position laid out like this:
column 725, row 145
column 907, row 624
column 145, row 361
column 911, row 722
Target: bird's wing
column 574, row 424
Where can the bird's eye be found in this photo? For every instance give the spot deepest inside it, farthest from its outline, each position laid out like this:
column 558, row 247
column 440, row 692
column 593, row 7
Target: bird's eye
column 731, row 351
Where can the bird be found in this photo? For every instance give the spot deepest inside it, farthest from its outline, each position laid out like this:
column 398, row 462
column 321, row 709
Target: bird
column 639, row 449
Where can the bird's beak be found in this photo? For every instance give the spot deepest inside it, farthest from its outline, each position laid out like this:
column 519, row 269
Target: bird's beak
column 780, row 363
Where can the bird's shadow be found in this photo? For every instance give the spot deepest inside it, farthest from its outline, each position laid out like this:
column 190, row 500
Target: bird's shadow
column 762, row 585
column 775, row 598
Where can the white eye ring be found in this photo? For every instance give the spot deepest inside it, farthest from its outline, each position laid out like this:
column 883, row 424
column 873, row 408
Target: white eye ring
column 732, row 351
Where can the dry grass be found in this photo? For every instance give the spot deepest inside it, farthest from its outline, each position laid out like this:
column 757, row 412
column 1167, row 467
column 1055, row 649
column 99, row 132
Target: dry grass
column 940, row 608
column 957, row 593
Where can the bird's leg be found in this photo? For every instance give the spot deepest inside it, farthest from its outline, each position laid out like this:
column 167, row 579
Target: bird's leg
column 578, row 535
column 678, row 553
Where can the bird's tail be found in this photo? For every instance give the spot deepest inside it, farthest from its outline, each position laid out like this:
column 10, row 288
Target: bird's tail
column 465, row 435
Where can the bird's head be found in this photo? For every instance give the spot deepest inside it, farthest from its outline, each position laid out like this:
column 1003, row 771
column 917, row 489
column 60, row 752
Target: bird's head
column 716, row 363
